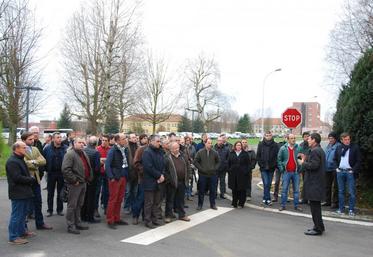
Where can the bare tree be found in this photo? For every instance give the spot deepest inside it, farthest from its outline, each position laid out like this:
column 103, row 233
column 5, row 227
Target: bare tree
column 202, row 76
column 350, row 38
column 18, row 65
column 99, row 39
column 157, row 100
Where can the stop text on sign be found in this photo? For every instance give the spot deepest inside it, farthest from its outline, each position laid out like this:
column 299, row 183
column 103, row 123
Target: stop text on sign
column 292, row 117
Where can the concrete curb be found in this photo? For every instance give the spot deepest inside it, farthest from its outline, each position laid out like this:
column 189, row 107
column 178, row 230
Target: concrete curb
column 329, row 214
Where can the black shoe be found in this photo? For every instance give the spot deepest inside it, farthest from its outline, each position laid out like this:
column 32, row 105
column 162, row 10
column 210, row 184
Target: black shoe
column 222, row 197
column 31, row 216
column 334, row 206
column 298, row 209
column 121, row 223
column 60, row 213
column 313, row 232
column 81, row 227
column 326, row 204
column 94, row 221
column 282, row 208
column 73, row 231
column 112, row 225
column 149, row 225
column 214, row 207
column 97, row 214
column 234, row 205
column 50, row 214
column 199, row 207
column 156, row 223
column 44, row 227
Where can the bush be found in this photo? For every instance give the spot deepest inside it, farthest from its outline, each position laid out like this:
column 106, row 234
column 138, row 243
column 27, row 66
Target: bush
column 4, row 153
column 355, row 115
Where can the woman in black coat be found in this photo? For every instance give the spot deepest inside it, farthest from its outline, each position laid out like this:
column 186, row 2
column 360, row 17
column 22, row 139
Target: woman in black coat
column 238, row 174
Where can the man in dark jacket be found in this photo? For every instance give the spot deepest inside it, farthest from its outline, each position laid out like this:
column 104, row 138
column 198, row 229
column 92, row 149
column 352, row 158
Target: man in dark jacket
column 117, row 168
column 267, row 159
column 88, row 208
column 348, row 160
column 131, row 186
column 207, row 162
column 138, row 203
column 77, row 171
column 20, row 193
column 223, row 152
column 54, row 154
column 201, row 145
column 304, row 149
column 153, row 164
column 331, row 174
column 314, row 182
column 177, row 174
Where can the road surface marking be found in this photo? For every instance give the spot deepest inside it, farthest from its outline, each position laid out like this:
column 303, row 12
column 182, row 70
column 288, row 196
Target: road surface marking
column 159, row 233
column 267, row 209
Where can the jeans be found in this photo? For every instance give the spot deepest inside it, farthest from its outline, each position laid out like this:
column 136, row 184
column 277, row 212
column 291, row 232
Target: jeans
column 202, row 185
column 222, row 187
column 343, row 178
column 103, row 189
column 138, row 201
column 277, row 183
column 267, row 177
column 54, row 179
column 17, row 223
column 131, row 189
column 36, row 205
column 287, row 177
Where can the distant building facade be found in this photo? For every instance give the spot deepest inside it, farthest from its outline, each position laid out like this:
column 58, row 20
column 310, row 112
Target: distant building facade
column 273, row 124
column 133, row 122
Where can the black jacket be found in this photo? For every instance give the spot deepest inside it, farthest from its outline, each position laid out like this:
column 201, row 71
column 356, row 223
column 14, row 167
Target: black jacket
column 267, row 155
column 223, row 152
column 314, row 175
column 19, row 180
column 239, row 168
column 354, row 157
column 154, row 166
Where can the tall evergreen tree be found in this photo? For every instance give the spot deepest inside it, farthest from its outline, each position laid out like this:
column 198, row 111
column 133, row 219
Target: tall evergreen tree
column 185, row 125
column 65, row 118
column 354, row 112
column 112, row 122
column 198, row 126
column 244, row 124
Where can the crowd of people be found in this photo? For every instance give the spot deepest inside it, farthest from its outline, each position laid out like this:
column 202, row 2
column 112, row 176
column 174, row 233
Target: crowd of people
column 142, row 172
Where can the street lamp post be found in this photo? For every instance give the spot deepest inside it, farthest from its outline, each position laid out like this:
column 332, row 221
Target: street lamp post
column 28, row 89
column 264, row 81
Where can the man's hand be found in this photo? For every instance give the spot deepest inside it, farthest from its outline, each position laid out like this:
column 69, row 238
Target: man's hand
column 161, row 179
column 77, row 183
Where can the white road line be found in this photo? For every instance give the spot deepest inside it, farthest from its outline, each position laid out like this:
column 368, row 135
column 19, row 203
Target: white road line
column 353, row 222
column 154, row 235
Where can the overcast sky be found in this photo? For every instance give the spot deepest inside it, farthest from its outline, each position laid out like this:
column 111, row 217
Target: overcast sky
column 248, row 40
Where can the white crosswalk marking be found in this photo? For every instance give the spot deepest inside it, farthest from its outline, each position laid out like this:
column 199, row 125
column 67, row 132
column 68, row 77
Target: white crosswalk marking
column 154, row 235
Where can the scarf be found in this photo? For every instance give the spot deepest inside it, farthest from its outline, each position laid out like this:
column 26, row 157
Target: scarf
column 123, row 151
column 345, row 148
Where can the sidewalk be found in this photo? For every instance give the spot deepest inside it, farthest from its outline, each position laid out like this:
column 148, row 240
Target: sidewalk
column 256, row 201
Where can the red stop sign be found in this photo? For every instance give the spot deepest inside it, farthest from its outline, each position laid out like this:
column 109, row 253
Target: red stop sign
column 291, row 118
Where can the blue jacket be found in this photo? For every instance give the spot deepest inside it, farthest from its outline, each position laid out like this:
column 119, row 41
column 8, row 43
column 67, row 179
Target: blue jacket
column 330, row 155
column 223, row 153
column 200, row 146
column 114, row 164
column 154, row 166
column 54, row 157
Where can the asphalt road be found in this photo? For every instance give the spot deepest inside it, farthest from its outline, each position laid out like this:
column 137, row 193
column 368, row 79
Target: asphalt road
column 240, row 232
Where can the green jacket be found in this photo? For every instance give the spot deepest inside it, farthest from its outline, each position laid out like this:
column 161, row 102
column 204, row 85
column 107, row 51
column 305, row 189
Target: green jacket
column 207, row 166
column 283, row 157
